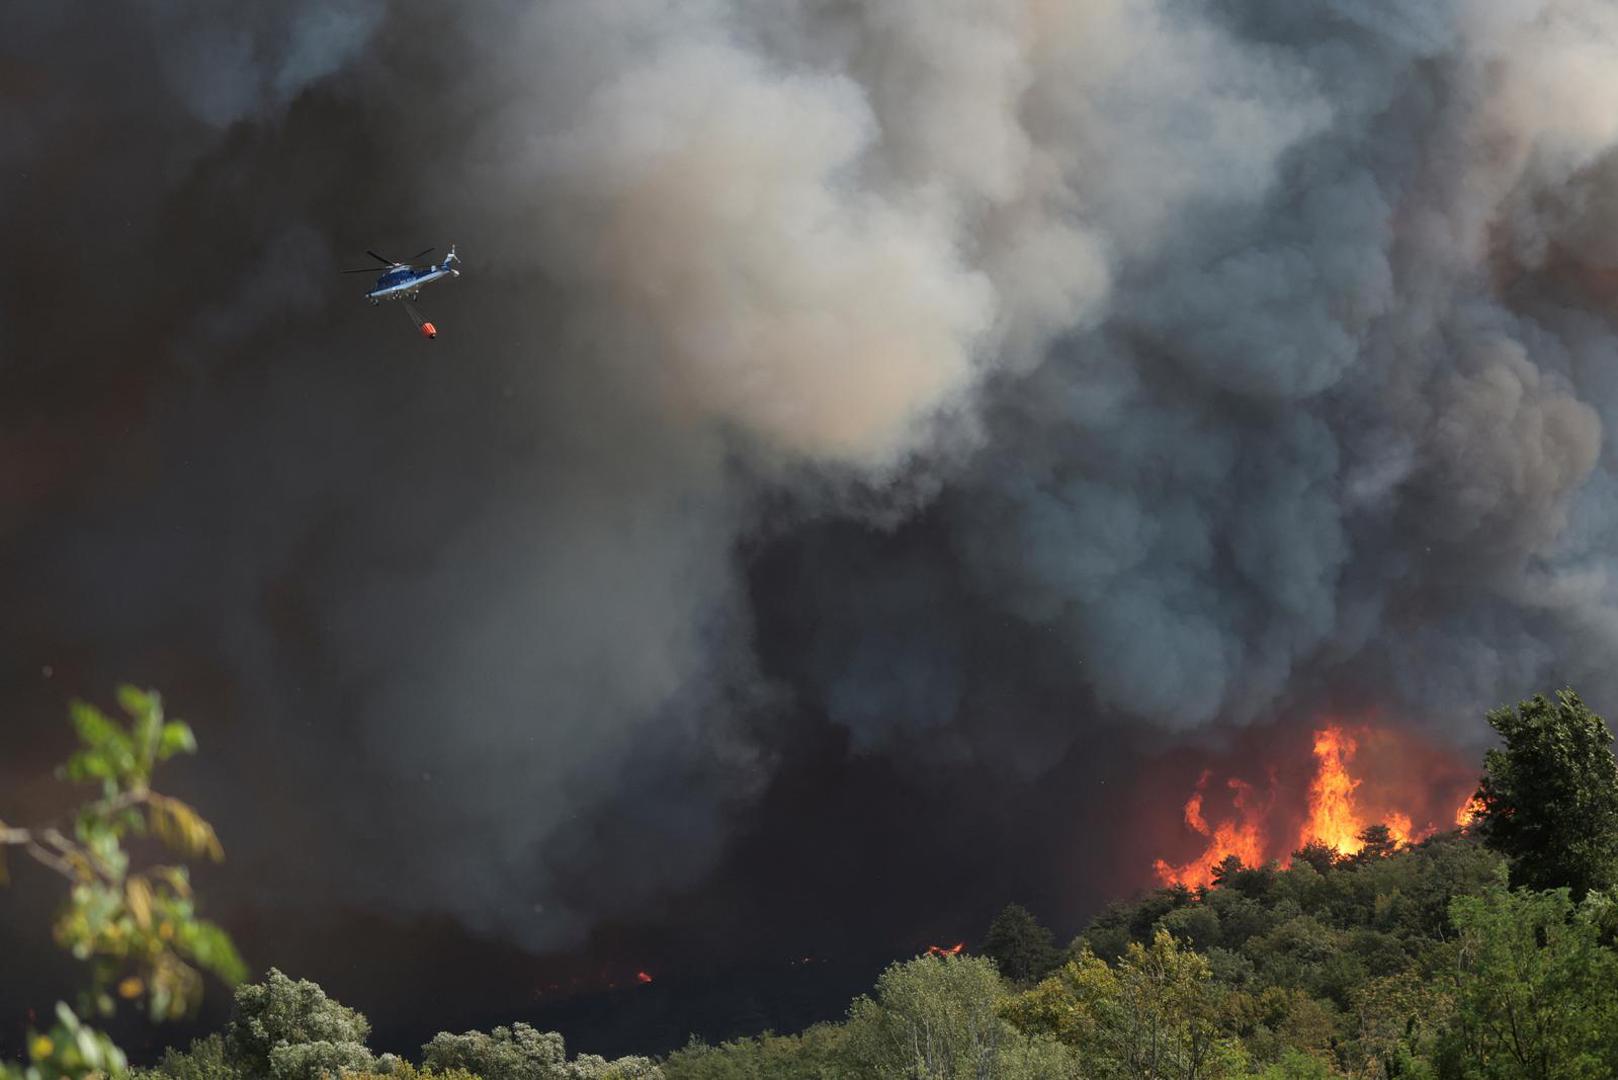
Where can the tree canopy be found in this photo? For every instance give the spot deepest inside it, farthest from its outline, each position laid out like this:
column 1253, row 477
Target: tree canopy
column 1023, row 949
column 1483, row 953
column 1549, row 796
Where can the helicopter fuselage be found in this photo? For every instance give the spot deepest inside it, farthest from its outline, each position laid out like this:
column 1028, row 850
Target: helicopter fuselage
column 404, row 283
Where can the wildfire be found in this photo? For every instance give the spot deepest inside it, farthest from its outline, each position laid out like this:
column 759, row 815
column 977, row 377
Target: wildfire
column 1340, row 805
column 1468, row 813
column 953, row 950
column 1244, row 839
column 642, row 978
column 1334, row 814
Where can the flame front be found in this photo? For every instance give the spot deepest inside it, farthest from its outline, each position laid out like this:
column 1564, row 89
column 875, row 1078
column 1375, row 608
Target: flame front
column 1332, row 819
column 1337, row 812
column 1335, row 816
column 1244, row 839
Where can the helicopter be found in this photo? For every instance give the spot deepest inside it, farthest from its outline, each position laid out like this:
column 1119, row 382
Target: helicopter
column 404, row 281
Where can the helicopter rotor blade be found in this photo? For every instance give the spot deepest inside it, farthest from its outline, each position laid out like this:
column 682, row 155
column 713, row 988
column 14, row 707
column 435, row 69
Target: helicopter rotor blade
column 418, row 255
column 361, row 270
column 383, row 258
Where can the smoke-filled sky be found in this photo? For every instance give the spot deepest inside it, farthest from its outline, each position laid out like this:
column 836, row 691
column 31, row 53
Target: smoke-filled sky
column 864, row 437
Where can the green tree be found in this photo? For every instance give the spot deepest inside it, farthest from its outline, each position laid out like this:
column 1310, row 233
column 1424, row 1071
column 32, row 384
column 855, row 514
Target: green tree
column 289, row 1030
column 1155, row 1015
column 1536, row 993
column 1318, row 854
column 205, row 1060
column 1022, row 948
column 1296, row 1065
column 937, row 1018
column 1376, row 842
column 1165, row 1019
column 519, row 1052
column 391, row 1068
column 1393, row 1020
column 595, row 1067
column 137, row 928
column 820, row 1053
column 1550, row 795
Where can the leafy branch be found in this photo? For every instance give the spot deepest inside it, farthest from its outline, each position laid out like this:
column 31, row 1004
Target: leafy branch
column 138, row 929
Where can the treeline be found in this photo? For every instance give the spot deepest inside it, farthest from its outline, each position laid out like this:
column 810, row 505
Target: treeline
column 1484, row 954
column 285, row 1030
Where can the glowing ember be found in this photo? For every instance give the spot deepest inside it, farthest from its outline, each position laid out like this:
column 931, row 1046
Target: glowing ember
column 953, row 950
column 642, row 977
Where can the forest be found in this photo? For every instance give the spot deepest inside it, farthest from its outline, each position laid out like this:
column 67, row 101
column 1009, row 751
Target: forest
column 1489, row 952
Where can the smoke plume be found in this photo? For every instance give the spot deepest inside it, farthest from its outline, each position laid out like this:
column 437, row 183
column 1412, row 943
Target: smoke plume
column 964, row 379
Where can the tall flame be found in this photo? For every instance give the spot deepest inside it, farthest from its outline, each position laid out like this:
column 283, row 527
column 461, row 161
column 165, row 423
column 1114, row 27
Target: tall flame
column 1245, row 840
column 1335, row 818
column 1332, row 820
column 1338, row 811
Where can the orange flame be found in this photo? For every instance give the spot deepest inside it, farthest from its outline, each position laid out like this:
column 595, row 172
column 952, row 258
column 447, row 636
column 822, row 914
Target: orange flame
column 1245, row 840
column 1335, row 815
column 1332, row 820
column 953, row 950
column 642, row 977
column 1337, row 812
column 1469, row 812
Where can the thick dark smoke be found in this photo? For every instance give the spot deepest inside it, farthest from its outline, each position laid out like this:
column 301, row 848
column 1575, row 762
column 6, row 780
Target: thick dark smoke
column 913, row 396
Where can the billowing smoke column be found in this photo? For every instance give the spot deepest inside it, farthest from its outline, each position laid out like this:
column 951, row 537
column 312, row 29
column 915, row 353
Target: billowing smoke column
column 967, row 376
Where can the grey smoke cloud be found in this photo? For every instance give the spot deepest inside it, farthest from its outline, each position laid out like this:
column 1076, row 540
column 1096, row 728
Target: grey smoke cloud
column 1236, row 354
column 242, row 63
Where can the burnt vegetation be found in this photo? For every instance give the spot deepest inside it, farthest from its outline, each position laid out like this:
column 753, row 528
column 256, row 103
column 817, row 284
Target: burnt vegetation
column 1484, row 953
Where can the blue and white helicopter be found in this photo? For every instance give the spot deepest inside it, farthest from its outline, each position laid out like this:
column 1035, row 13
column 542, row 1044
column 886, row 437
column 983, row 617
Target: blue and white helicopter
column 404, row 281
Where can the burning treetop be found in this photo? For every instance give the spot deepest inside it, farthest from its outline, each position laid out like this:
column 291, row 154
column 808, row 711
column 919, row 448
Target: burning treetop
column 1338, row 810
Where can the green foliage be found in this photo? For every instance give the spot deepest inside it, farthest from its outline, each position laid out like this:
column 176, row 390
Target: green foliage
column 1317, row 854
column 521, row 1052
column 1376, row 842
column 938, row 1017
column 1156, row 1013
column 1340, row 965
column 1022, row 948
column 205, row 1060
column 594, row 1067
column 515, row 1053
column 820, row 1053
column 138, row 929
column 121, row 758
column 70, row 1049
column 1296, row 1065
column 403, row 1070
column 1550, row 796
column 1406, row 963
column 289, row 1030
column 318, row 1060
column 1412, row 963
column 1536, row 993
